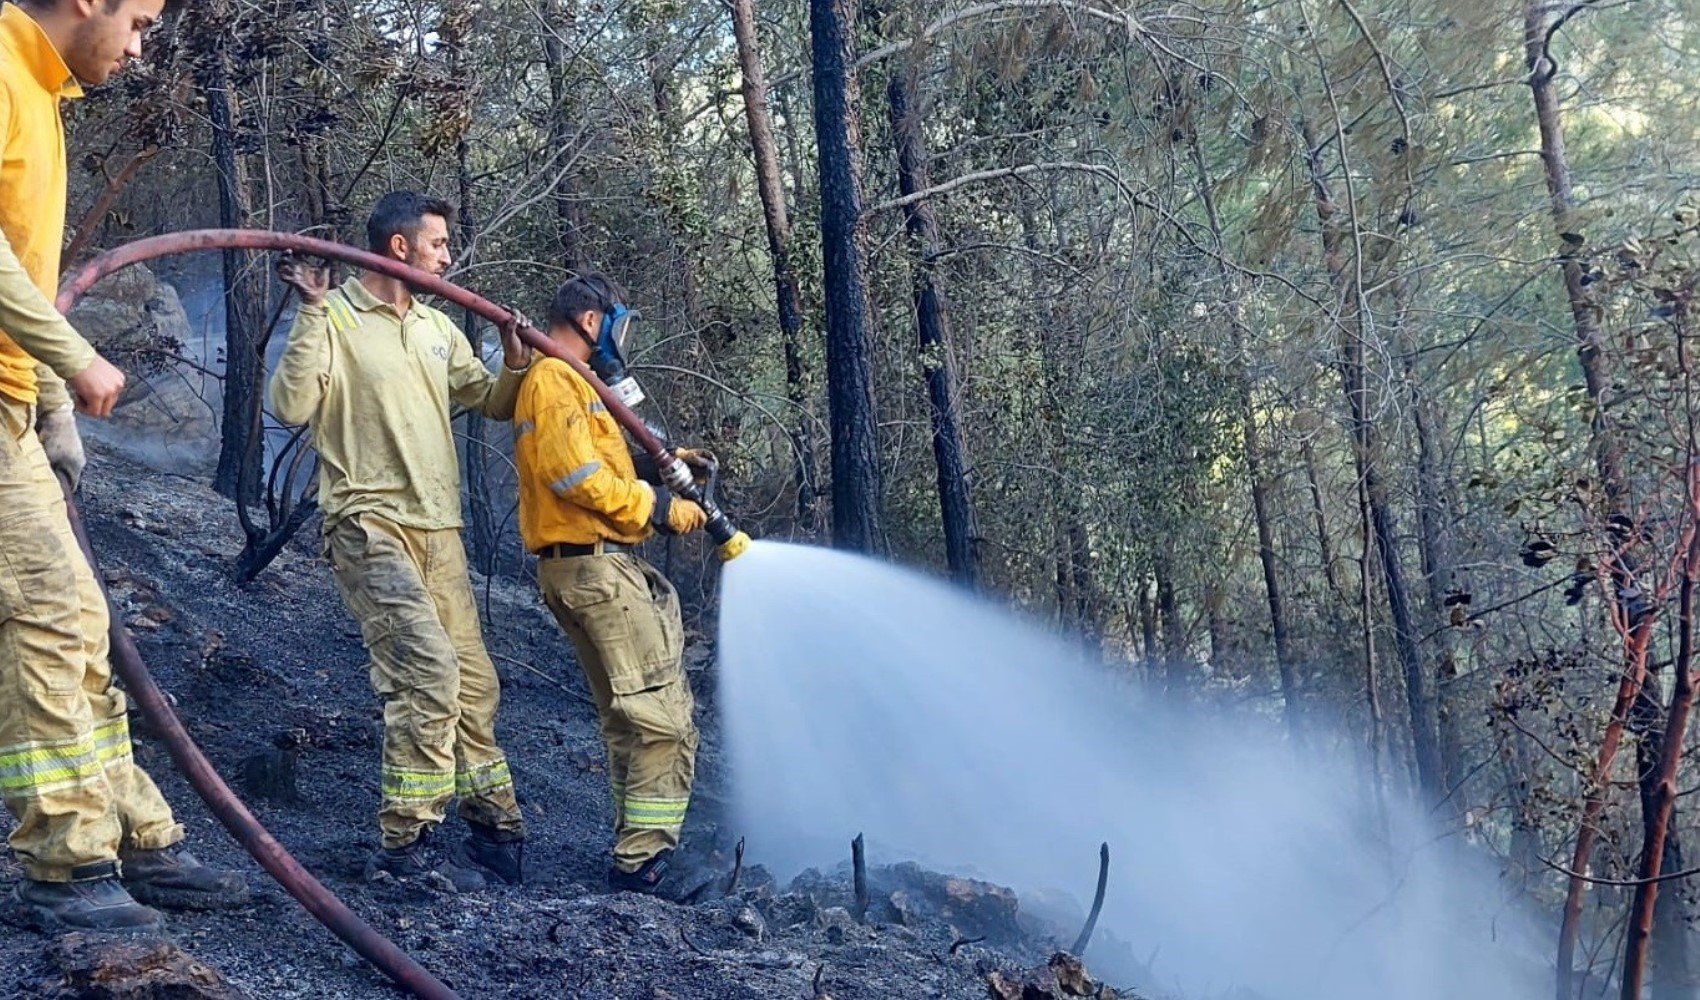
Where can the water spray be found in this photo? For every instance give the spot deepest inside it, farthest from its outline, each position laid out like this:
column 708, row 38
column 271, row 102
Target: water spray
column 963, row 737
column 730, row 542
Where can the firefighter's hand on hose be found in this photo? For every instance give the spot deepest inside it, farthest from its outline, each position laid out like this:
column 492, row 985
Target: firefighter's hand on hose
column 311, row 283
column 64, row 446
column 676, row 515
column 97, row 387
column 686, row 516
column 702, row 463
column 516, row 353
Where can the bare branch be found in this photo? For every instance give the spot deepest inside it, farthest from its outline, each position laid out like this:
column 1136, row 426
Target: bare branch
column 945, row 187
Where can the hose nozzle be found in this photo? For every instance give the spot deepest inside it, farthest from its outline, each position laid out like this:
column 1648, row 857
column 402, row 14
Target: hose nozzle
column 734, row 547
column 730, row 543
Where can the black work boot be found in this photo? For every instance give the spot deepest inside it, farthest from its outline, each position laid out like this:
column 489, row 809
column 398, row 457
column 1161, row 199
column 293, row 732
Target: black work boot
column 174, row 879
column 94, row 901
column 497, row 851
column 665, row 876
column 420, row 860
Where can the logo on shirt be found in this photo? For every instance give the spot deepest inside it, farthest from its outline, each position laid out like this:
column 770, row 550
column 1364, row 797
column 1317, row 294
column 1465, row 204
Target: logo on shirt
column 441, row 351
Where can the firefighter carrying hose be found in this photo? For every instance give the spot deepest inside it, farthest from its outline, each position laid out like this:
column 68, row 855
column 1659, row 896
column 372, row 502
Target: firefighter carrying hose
column 583, row 510
column 94, row 836
column 372, row 371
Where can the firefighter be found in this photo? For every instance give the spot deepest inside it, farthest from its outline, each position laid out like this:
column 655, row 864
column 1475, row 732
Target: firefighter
column 94, row 836
column 373, row 372
column 583, row 510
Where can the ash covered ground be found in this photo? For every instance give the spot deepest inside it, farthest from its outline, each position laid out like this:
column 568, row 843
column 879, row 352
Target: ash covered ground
column 276, row 670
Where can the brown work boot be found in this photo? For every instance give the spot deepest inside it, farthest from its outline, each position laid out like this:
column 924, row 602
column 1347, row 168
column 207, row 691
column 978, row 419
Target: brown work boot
column 497, row 851
column 174, row 879
column 422, row 859
column 667, row 876
column 94, row 901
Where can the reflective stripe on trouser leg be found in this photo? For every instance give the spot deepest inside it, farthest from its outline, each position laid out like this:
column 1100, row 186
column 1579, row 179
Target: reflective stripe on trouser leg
column 403, row 786
column 617, row 796
column 143, row 814
column 39, row 769
column 483, row 779
column 380, row 568
column 419, row 691
column 655, row 814
column 630, row 646
column 112, row 742
column 661, row 745
column 50, row 773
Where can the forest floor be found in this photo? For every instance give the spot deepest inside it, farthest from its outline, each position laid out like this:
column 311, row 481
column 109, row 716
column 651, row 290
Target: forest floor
column 280, row 663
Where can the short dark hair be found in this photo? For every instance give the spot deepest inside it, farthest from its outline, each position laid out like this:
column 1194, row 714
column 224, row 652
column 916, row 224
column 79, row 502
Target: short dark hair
column 401, row 213
column 170, row 7
column 592, row 290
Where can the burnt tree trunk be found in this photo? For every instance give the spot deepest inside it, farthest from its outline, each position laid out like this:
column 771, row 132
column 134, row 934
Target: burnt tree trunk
column 1147, row 620
column 1367, row 443
column 856, row 518
column 1435, row 544
column 771, row 189
column 1319, row 516
column 238, row 472
column 1177, row 672
column 1434, row 536
column 1372, row 671
column 932, row 326
column 480, row 514
column 481, row 521
column 570, row 225
column 1285, row 665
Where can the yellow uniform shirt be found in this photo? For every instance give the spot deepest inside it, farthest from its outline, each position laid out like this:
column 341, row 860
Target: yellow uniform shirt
column 33, row 79
column 577, row 485
column 375, row 387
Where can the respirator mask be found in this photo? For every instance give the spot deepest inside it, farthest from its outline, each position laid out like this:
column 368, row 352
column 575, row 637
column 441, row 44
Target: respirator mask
column 608, row 359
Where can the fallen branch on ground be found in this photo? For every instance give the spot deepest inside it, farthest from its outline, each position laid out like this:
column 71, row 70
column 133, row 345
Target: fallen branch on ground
column 963, row 942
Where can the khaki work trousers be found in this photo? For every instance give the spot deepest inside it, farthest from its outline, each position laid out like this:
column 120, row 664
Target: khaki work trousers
column 410, row 592
column 66, row 772
column 623, row 619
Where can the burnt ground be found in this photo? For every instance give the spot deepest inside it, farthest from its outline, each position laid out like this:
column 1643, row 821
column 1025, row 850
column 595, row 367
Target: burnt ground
column 279, row 663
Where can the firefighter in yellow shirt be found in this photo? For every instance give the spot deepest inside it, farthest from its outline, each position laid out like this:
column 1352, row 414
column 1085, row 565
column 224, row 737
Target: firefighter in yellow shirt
column 372, row 371
column 93, row 835
column 583, row 509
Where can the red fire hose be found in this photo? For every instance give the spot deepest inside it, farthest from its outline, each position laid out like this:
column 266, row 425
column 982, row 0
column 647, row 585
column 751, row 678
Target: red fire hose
column 127, row 661
column 726, row 535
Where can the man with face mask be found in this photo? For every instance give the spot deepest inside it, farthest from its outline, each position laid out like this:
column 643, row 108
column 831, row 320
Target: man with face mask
column 93, row 835
column 583, row 509
column 373, row 372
